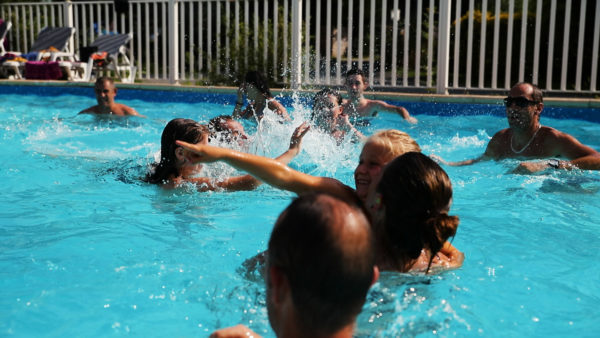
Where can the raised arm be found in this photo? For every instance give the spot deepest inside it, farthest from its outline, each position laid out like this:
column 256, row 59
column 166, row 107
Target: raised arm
column 268, row 170
column 248, row 182
column 279, row 109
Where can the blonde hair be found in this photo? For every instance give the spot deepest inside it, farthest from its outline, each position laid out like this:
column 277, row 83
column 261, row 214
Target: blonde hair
column 395, row 142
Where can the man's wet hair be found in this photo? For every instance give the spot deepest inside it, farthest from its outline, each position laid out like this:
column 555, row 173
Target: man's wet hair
column 100, row 80
column 328, row 277
column 356, row 71
column 537, row 95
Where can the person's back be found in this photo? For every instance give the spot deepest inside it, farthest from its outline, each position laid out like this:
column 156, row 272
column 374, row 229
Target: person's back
column 320, row 266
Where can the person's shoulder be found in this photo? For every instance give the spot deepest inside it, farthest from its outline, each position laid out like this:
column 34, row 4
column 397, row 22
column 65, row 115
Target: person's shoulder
column 90, row 110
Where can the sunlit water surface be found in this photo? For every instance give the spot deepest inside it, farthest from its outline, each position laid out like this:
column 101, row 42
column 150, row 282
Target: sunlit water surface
column 88, row 249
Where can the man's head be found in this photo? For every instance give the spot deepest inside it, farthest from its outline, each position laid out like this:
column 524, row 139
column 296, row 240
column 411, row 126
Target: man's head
column 105, row 91
column 320, row 265
column 356, row 83
column 524, row 105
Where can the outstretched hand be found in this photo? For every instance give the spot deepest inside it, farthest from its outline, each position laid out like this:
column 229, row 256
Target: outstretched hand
column 199, row 152
column 297, row 136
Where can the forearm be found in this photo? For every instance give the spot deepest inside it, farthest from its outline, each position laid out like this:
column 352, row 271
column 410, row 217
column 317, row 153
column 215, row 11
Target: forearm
column 589, row 162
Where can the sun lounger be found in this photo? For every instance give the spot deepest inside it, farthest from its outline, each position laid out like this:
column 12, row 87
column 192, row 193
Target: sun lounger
column 51, row 44
column 108, row 52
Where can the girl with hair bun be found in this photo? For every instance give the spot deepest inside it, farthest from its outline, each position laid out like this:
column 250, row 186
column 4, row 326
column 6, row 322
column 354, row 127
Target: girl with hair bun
column 410, row 216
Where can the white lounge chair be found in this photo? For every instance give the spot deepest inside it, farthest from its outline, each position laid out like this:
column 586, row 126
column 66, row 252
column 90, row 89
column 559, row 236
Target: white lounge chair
column 4, row 28
column 48, row 39
column 114, row 45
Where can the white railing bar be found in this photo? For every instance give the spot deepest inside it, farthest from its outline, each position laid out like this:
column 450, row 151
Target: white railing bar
column 536, row 48
column 285, row 40
column 275, row 37
column 246, row 29
column 595, row 48
column 156, row 42
column 338, row 61
column 456, row 68
column 173, row 37
column 218, row 39
column 236, row 35
column 565, row 43
column 349, row 33
column 328, row 45
column 307, row 43
column 295, row 76
column 131, row 44
column 227, row 38
column 46, row 16
column 317, row 67
column 482, row 44
column 147, row 29
column 523, row 41
column 52, row 17
column 406, row 42
column 255, row 22
column 418, row 44
column 84, row 24
column 107, row 18
column 383, row 44
column 361, row 32
column 443, row 48
column 266, row 46
column 496, row 44
column 191, row 42
column 469, row 46
column 91, row 26
column 395, row 19
column 430, row 22
column 139, row 41
column 551, row 44
column 580, row 45
column 509, row 42
column 372, row 43
column 37, row 17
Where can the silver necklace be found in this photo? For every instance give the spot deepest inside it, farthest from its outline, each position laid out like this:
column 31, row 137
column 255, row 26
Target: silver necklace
column 528, row 142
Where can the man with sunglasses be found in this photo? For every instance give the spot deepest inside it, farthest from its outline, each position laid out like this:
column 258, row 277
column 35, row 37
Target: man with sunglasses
column 526, row 138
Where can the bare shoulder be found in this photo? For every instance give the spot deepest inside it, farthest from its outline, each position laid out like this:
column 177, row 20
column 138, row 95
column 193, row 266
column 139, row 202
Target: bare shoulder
column 90, row 110
column 126, row 110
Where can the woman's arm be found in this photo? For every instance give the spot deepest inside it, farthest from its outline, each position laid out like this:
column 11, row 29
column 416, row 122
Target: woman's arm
column 279, row 109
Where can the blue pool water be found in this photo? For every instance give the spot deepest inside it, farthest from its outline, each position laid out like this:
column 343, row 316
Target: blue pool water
column 87, row 249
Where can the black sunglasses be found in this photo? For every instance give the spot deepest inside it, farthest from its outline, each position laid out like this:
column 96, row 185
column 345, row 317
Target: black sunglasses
column 519, row 101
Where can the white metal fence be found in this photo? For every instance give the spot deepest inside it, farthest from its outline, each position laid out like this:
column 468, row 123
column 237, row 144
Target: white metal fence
column 430, row 45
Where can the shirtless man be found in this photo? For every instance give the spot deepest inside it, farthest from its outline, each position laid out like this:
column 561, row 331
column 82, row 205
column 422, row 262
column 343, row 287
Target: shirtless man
column 358, row 106
column 526, row 138
column 321, row 263
column 105, row 95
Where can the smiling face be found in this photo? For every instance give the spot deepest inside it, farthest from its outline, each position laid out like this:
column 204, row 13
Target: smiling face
column 105, row 93
column 372, row 160
column 522, row 110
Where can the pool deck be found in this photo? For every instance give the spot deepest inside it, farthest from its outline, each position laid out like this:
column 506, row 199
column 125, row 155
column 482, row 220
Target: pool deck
column 569, row 99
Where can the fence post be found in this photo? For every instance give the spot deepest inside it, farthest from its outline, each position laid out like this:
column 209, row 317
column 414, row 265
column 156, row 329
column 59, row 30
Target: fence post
column 296, row 62
column 173, row 41
column 443, row 57
column 69, row 22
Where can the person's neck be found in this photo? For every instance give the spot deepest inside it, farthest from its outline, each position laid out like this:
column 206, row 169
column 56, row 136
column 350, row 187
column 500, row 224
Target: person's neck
column 525, row 134
column 357, row 99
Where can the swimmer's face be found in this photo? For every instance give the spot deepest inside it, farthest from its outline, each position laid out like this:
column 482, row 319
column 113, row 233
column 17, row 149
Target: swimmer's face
column 522, row 111
column 328, row 108
column 105, row 93
column 366, row 175
column 237, row 132
column 356, row 85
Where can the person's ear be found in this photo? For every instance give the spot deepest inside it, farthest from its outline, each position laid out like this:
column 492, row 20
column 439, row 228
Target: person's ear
column 115, row 90
column 278, row 283
column 180, row 154
column 375, row 275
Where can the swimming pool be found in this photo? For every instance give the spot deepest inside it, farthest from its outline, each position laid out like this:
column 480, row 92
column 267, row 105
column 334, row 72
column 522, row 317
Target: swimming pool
column 87, row 249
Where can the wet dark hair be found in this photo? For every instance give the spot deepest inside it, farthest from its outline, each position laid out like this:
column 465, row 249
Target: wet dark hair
column 329, row 279
column 256, row 79
column 100, row 81
column 356, row 71
column 322, row 95
column 177, row 129
column 216, row 124
column 415, row 191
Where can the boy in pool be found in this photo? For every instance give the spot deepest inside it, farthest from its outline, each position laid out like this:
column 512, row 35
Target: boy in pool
column 359, row 106
column 327, row 116
column 105, row 95
column 259, row 98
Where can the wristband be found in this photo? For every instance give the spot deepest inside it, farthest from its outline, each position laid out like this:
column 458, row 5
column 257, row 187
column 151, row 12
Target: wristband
column 554, row 163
